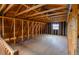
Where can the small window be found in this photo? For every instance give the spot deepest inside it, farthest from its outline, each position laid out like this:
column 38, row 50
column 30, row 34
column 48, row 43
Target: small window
column 55, row 26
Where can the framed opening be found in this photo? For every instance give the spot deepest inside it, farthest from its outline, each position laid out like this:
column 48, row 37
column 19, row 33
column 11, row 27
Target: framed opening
column 55, row 26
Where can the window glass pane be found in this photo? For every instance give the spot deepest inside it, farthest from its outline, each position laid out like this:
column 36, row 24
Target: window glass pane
column 55, row 26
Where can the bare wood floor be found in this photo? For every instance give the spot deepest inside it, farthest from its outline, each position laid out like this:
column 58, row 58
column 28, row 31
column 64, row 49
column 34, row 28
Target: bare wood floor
column 43, row 45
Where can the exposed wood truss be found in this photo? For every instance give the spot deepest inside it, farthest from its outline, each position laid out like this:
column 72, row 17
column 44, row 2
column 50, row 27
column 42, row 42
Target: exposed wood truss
column 22, row 22
column 35, row 7
column 47, row 11
column 2, row 6
column 52, row 14
column 7, row 8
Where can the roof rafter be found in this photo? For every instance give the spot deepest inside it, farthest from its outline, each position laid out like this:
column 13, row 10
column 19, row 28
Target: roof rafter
column 58, row 16
column 32, row 8
column 8, row 8
column 57, row 13
column 46, row 11
column 3, row 5
column 18, row 9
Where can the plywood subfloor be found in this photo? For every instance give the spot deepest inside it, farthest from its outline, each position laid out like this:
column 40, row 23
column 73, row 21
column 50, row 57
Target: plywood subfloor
column 43, row 45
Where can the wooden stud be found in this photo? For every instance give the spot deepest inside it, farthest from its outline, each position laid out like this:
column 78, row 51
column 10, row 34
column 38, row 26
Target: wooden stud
column 22, row 30
column 63, row 28
column 60, row 28
column 36, row 29
column 28, row 29
column 39, row 28
column 33, row 29
column 47, row 29
column 3, row 27
column 14, row 32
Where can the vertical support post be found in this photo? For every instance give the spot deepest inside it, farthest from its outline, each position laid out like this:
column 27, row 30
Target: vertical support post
column 63, row 28
column 39, row 28
column 2, row 27
column 47, row 29
column 60, row 28
column 14, row 32
column 72, row 30
column 28, row 29
column 22, row 30
column 33, row 29
column 36, row 29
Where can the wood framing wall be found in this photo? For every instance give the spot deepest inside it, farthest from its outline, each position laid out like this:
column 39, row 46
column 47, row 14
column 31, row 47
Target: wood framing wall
column 20, row 29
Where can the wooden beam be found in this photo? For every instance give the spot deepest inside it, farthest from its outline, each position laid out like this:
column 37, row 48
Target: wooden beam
column 39, row 28
column 33, row 29
column 3, row 5
column 6, row 48
column 14, row 31
column 26, row 6
column 72, row 30
column 42, row 26
column 3, row 27
column 32, row 8
column 57, row 13
column 18, row 9
column 8, row 8
column 46, row 11
column 59, row 28
column 58, row 19
column 29, row 7
column 11, row 18
column 19, row 19
column 28, row 30
column 22, row 30
column 36, row 29
column 58, row 16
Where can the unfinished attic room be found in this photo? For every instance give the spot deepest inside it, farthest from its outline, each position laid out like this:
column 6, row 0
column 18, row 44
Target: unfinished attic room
column 39, row 29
